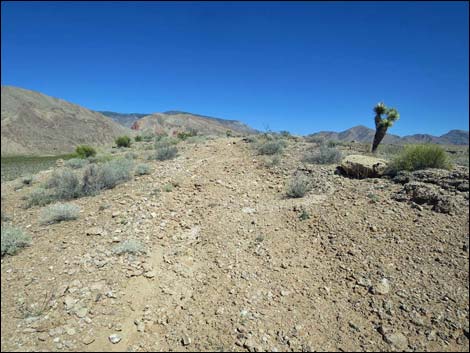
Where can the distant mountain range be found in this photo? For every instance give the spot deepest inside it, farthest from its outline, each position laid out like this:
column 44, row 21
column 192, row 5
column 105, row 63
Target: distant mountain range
column 122, row 118
column 33, row 123
column 177, row 121
column 172, row 122
column 364, row 134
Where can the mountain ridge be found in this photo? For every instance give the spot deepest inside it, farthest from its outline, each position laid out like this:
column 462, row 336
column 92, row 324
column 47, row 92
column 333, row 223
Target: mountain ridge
column 361, row 133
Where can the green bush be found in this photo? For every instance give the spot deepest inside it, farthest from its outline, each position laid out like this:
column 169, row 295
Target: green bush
column 39, row 197
column 84, row 151
column 165, row 141
column 416, row 157
column 274, row 161
column 106, row 176
column 142, row 169
column 315, row 139
column 138, row 138
column 165, row 153
column 325, row 155
column 27, row 180
column 298, row 186
column 13, row 239
column 123, row 141
column 185, row 134
column 65, row 185
column 271, row 147
column 59, row 212
column 76, row 163
column 131, row 155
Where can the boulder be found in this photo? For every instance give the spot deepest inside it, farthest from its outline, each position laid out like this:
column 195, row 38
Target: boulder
column 359, row 166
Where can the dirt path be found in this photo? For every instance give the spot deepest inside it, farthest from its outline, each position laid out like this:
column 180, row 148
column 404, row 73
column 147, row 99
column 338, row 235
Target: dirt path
column 230, row 266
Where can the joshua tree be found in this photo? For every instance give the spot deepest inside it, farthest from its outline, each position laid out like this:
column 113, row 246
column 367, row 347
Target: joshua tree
column 383, row 123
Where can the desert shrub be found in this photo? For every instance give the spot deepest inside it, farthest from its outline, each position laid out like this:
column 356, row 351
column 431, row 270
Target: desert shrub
column 130, row 246
column 333, row 143
column 13, row 239
column 185, row 134
column 165, row 153
column 85, row 151
column 415, row 157
column 138, row 138
column 106, row 176
column 59, row 212
column 131, row 155
column 324, row 155
column 274, row 161
column 229, row 133
column 389, row 149
column 167, row 187
column 147, row 135
column 298, row 186
column 39, row 197
column 24, row 181
column 165, row 141
column 270, row 147
column 27, row 180
column 65, row 185
column 123, row 141
column 315, row 139
column 462, row 158
column 76, row 163
column 100, row 158
column 250, row 139
column 142, row 169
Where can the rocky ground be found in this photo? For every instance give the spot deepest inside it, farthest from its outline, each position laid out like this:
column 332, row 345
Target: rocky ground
column 234, row 265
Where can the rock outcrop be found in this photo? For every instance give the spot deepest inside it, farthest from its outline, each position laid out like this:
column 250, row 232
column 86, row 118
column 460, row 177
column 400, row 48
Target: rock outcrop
column 359, row 166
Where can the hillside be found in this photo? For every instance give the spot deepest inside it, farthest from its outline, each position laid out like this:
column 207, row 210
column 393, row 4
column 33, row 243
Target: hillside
column 366, row 135
column 125, row 119
column 175, row 121
column 36, row 124
column 230, row 264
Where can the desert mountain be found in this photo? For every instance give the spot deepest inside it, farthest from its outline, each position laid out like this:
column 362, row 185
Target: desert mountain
column 34, row 123
column 364, row 134
column 171, row 122
column 126, row 119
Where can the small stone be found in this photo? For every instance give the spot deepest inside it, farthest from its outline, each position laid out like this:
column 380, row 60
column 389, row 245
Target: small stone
column 81, row 312
column 382, row 288
column 140, row 326
column 69, row 302
column 397, row 339
column 149, row 274
column 88, row 340
column 95, row 231
column 70, row 331
column 115, row 214
column 43, row 336
column 186, row 340
column 114, row 338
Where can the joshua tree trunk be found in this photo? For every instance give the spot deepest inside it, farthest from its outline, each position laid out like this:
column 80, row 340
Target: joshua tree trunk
column 380, row 133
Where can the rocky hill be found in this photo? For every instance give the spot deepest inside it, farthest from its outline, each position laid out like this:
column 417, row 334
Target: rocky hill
column 33, row 123
column 171, row 122
column 126, row 119
column 364, row 134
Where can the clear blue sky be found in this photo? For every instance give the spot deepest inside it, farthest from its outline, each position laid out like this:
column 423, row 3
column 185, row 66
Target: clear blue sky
column 302, row 67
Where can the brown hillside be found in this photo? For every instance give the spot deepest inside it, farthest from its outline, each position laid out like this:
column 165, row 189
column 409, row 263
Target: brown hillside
column 36, row 124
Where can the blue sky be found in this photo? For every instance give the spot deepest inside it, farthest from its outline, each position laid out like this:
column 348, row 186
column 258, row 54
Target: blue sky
column 296, row 66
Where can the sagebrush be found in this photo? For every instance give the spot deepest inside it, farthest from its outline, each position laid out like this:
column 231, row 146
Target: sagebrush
column 13, row 239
